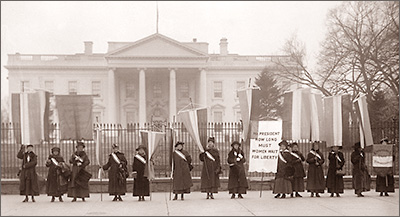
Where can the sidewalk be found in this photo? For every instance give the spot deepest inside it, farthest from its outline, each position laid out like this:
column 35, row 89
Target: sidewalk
column 196, row 204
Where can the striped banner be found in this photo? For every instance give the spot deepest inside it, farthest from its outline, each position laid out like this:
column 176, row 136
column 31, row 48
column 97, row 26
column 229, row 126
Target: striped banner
column 31, row 110
column 249, row 109
column 151, row 139
column 193, row 120
column 75, row 116
column 317, row 120
column 361, row 108
column 296, row 118
column 336, row 120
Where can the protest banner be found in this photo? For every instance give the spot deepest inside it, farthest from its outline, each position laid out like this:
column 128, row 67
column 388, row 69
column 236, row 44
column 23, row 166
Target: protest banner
column 264, row 146
column 382, row 159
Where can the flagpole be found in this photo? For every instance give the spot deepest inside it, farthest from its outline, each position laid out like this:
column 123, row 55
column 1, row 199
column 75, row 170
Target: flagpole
column 262, row 178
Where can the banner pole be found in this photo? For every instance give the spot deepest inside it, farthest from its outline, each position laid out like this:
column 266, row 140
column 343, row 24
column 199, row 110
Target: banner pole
column 262, row 179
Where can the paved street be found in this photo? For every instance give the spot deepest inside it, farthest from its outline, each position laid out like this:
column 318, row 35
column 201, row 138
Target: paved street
column 196, row 204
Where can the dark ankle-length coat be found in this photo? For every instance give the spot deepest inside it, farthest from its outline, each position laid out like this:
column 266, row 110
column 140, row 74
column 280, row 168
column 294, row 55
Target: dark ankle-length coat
column 182, row 179
column 315, row 174
column 361, row 178
column 79, row 183
column 334, row 182
column 141, row 185
column 57, row 183
column 237, row 176
column 28, row 176
column 210, row 173
column 116, row 174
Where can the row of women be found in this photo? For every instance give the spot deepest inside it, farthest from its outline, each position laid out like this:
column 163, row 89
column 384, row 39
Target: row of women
column 74, row 179
column 290, row 174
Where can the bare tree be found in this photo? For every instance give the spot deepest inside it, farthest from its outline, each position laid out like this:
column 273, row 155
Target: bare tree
column 359, row 53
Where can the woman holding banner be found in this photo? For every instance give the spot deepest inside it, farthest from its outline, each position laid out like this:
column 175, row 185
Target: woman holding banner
column 334, row 179
column 79, row 183
column 315, row 174
column 384, row 176
column 56, row 184
column 141, row 186
column 27, row 174
column 211, row 169
column 237, row 183
column 284, row 171
column 182, row 180
column 361, row 178
column 117, row 174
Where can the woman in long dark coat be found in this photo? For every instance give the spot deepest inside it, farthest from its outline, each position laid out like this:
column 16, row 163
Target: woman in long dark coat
column 237, row 183
column 27, row 175
column 211, row 169
column 141, row 185
column 283, row 185
column 334, row 181
column 299, row 174
column 361, row 179
column 56, row 184
column 117, row 174
column 182, row 180
column 385, row 181
column 79, row 184
column 315, row 174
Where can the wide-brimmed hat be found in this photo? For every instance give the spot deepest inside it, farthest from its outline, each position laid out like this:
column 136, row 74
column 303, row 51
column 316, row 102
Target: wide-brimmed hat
column 283, row 142
column 212, row 139
column 385, row 140
column 141, row 147
column 30, row 145
column 340, row 147
column 179, row 143
column 293, row 144
column 80, row 143
column 115, row 145
column 235, row 142
column 55, row 149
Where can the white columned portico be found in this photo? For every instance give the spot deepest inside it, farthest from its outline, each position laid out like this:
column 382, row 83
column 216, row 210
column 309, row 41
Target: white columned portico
column 142, row 97
column 203, row 87
column 172, row 94
column 112, row 98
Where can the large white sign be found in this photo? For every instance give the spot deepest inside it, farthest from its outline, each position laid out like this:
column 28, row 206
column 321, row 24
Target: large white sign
column 264, row 147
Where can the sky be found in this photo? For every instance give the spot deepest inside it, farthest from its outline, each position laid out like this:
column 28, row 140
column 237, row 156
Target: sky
column 252, row 28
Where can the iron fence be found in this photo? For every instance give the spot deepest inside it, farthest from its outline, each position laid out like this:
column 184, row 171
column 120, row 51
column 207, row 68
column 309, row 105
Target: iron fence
column 128, row 138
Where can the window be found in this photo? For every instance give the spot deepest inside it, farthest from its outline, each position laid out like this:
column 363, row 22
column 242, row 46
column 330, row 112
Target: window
column 217, row 89
column 49, row 86
column 130, row 89
column 239, row 85
column 72, row 87
column 24, row 86
column 130, row 117
column 184, row 89
column 157, row 90
column 96, row 88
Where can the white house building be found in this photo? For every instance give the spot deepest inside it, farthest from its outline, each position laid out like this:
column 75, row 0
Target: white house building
column 149, row 79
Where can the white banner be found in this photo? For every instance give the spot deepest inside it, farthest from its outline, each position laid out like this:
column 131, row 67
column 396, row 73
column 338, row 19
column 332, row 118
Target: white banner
column 264, row 149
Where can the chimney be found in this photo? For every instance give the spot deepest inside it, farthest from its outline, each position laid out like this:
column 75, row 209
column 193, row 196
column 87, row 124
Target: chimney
column 88, row 47
column 223, row 46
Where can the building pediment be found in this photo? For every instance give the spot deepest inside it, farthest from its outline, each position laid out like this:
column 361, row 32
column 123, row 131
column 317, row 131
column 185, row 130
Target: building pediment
column 156, row 45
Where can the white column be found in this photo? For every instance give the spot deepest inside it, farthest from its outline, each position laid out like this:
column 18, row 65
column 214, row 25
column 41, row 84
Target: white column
column 112, row 98
column 203, row 88
column 172, row 94
column 142, row 98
